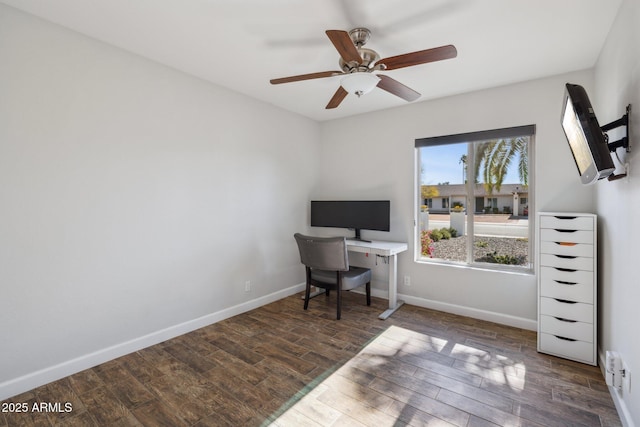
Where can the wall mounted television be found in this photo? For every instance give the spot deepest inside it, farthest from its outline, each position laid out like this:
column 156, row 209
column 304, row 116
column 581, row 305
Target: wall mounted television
column 586, row 139
column 353, row 214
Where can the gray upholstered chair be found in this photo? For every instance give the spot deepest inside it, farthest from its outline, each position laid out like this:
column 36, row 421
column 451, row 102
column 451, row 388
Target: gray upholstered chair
column 327, row 264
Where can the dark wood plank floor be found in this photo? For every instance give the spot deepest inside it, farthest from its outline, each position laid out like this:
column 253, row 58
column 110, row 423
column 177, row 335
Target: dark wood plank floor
column 283, row 366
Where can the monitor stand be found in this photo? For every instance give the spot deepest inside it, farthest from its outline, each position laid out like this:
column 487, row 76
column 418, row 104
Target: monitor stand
column 358, row 238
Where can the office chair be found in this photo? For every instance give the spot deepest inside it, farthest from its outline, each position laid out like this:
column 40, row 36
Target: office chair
column 327, row 264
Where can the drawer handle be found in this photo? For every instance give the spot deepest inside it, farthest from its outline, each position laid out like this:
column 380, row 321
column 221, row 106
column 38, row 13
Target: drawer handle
column 565, row 301
column 562, row 282
column 565, row 338
column 569, row 270
column 565, row 217
column 565, row 243
column 562, row 319
column 564, row 231
column 566, row 256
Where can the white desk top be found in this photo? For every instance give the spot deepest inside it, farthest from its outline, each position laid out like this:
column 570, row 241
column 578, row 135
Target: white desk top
column 377, row 247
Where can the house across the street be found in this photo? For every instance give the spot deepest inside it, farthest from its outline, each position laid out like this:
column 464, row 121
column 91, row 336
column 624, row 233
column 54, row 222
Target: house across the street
column 510, row 199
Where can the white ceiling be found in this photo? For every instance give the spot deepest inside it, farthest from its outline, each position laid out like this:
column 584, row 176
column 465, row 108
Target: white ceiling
column 242, row 44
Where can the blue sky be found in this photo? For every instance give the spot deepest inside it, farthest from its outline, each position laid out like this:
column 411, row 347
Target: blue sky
column 441, row 163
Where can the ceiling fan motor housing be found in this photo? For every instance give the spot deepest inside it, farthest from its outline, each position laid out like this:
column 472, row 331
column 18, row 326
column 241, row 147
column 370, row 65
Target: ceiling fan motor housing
column 359, row 37
column 369, row 58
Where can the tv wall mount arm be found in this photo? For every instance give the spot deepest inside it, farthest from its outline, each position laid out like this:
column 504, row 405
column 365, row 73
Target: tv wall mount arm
column 622, row 121
column 622, row 142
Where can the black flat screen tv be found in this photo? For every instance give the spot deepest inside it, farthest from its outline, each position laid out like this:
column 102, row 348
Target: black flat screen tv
column 587, row 141
column 354, row 214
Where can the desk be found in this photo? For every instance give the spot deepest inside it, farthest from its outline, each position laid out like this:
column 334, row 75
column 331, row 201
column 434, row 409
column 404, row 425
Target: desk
column 391, row 251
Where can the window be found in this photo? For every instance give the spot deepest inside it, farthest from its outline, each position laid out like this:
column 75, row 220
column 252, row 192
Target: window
column 484, row 182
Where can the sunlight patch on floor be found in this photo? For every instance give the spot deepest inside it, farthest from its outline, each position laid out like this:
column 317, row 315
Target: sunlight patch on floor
column 495, row 368
column 377, row 385
column 396, row 376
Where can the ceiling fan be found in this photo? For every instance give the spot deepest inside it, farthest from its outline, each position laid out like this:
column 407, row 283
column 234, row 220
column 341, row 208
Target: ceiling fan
column 359, row 63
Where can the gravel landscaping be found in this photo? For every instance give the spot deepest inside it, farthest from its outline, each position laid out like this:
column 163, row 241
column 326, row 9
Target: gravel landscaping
column 504, row 250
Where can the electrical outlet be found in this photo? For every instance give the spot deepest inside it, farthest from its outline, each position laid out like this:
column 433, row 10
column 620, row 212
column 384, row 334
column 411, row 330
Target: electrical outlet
column 247, row 286
column 626, row 380
column 407, row 280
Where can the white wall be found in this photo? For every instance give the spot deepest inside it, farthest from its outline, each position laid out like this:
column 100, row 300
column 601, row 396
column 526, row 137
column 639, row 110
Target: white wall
column 133, row 198
column 373, row 156
column 617, row 80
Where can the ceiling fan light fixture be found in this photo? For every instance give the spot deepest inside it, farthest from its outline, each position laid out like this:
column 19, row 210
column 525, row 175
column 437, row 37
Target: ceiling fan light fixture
column 359, row 83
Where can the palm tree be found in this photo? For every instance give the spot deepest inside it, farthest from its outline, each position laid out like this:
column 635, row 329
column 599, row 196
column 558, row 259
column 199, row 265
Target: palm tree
column 494, row 158
column 463, row 160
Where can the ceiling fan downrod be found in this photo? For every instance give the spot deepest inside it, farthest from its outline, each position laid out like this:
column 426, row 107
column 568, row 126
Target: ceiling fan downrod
column 360, row 36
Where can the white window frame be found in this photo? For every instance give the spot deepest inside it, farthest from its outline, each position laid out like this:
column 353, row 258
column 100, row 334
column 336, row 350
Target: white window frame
column 475, row 137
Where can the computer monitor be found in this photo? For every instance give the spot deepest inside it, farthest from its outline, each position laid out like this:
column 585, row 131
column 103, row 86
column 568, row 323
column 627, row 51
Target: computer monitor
column 353, row 214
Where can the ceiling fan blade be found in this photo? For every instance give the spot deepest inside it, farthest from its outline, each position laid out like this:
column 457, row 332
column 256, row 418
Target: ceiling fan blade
column 344, row 45
column 305, row 77
column 337, row 98
column 419, row 57
column 396, row 88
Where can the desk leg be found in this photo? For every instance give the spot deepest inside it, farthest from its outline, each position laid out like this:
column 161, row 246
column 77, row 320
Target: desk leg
column 394, row 304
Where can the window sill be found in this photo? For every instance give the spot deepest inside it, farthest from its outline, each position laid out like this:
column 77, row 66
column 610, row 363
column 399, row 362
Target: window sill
column 521, row 271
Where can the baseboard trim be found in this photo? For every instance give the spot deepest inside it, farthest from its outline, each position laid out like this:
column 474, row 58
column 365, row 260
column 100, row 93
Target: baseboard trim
column 616, row 395
column 490, row 316
column 475, row 313
column 44, row 376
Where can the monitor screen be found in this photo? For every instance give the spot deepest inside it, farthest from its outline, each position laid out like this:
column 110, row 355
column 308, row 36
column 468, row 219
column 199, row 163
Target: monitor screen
column 586, row 139
column 355, row 214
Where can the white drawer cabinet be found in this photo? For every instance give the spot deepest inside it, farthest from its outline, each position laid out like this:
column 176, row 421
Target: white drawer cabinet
column 576, row 286
column 571, row 329
column 580, row 351
column 557, row 307
column 565, row 248
column 567, row 293
column 566, row 236
column 562, row 221
column 567, row 262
